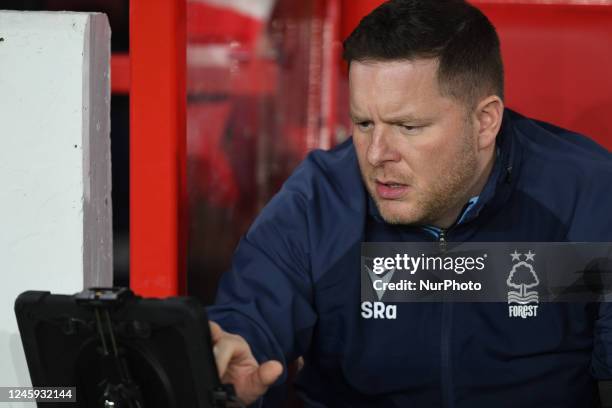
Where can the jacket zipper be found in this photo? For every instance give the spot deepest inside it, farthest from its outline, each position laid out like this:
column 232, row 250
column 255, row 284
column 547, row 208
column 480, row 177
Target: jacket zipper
column 442, row 240
column 445, row 334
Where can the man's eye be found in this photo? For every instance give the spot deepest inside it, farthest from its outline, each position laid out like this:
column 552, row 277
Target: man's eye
column 410, row 130
column 364, row 126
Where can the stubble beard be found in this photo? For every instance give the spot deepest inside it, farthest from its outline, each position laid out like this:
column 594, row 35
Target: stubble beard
column 431, row 203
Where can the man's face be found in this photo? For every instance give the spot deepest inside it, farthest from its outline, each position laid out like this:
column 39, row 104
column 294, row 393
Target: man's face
column 417, row 149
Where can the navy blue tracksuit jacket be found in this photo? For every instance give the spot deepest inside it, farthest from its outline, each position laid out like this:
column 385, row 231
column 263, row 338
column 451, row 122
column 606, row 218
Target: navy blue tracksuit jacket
column 294, row 287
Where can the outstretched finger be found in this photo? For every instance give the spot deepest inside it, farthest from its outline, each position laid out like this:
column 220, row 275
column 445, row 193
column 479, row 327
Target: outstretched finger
column 215, row 331
column 224, row 351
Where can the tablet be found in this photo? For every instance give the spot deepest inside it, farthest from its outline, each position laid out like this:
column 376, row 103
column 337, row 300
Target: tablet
column 121, row 350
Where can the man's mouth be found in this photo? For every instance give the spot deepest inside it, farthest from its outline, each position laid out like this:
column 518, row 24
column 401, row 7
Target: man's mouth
column 390, row 190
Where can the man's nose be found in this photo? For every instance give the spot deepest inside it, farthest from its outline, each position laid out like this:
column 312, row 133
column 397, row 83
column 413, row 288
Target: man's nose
column 381, row 148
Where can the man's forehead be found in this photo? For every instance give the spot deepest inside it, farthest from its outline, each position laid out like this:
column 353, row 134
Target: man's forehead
column 402, row 114
column 400, row 67
column 397, row 88
column 401, row 108
column 393, row 78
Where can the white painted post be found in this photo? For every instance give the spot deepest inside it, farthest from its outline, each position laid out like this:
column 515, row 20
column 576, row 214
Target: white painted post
column 55, row 180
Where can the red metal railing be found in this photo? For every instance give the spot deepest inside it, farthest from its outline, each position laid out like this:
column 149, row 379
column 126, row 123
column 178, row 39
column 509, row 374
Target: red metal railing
column 157, row 147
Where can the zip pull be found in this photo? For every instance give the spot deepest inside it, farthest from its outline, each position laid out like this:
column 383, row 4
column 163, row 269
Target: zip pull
column 508, row 174
column 442, row 240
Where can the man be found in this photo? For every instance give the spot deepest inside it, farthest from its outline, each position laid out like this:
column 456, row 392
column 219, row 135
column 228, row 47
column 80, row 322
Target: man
column 434, row 156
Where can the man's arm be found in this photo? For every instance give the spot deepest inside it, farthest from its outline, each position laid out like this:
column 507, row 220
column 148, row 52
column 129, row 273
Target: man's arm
column 593, row 223
column 264, row 306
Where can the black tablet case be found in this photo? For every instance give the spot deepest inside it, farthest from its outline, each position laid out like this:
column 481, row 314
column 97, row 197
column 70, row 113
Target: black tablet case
column 165, row 343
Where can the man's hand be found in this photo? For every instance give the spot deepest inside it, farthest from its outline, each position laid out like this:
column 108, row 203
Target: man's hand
column 237, row 365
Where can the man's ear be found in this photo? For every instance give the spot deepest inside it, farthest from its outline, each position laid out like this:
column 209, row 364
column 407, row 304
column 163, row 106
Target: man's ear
column 488, row 114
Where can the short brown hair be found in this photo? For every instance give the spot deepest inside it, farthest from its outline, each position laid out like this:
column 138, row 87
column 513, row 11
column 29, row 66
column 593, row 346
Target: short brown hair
column 456, row 33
